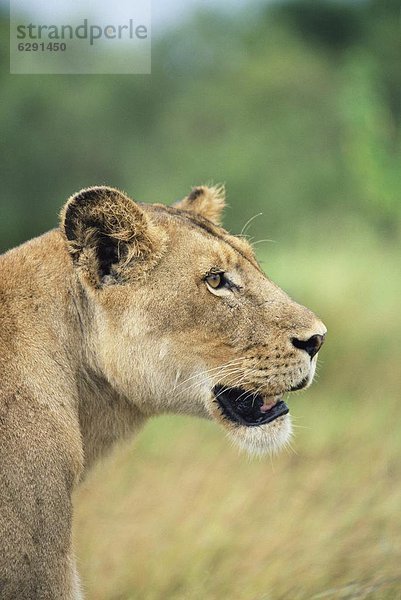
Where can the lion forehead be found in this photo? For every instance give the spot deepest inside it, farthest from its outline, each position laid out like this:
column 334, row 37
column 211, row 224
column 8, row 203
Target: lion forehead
column 189, row 222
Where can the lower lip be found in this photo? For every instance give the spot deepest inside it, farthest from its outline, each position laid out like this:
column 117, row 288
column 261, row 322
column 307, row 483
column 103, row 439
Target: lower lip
column 278, row 410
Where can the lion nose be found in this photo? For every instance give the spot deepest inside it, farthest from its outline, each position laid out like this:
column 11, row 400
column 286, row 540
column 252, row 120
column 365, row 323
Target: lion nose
column 311, row 345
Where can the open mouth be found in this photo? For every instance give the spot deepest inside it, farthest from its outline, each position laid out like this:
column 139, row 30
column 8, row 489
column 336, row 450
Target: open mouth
column 247, row 408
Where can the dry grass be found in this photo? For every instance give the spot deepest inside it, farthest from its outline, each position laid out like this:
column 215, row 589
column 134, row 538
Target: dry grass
column 179, row 514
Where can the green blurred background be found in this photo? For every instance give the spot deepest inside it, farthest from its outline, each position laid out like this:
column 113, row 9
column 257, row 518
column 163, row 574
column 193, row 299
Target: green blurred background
column 296, row 107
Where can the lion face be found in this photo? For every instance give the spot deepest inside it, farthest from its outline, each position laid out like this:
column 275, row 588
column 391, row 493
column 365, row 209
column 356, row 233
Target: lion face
column 184, row 320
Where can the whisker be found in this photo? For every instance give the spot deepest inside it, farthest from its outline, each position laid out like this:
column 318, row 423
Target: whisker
column 235, row 360
column 201, row 383
column 249, row 221
column 265, row 240
column 223, row 372
column 289, row 447
column 235, row 382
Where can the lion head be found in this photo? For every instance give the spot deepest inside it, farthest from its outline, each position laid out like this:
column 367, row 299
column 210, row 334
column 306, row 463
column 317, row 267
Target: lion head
column 180, row 317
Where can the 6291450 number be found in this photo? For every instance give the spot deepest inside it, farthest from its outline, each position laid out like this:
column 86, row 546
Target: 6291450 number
column 42, row 46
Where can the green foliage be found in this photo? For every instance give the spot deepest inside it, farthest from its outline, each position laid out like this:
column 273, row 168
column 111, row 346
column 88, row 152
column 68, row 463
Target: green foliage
column 295, row 106
column 334, row 26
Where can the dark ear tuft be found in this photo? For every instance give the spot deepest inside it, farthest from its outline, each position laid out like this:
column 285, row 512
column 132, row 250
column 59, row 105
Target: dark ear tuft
column 196, row 192
column 207, row 202
column 109, row 235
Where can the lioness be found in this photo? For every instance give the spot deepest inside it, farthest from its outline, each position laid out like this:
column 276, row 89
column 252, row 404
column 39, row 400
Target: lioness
column 125, row 312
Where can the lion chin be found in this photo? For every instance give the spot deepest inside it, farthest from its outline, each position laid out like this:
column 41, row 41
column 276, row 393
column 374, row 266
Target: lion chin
column 256, row 425
column 262, row 440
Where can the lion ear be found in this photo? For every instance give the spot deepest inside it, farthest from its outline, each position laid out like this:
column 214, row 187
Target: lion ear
column 205, row 201
column 109, row 236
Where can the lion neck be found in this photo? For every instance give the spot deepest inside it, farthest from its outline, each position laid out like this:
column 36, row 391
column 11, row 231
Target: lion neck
column 48, row 350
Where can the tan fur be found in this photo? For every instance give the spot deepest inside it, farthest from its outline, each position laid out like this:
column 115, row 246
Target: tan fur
column 207, row 202
column 109, row 321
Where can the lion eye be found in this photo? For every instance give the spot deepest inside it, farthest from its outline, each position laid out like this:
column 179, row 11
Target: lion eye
column 215, row 280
